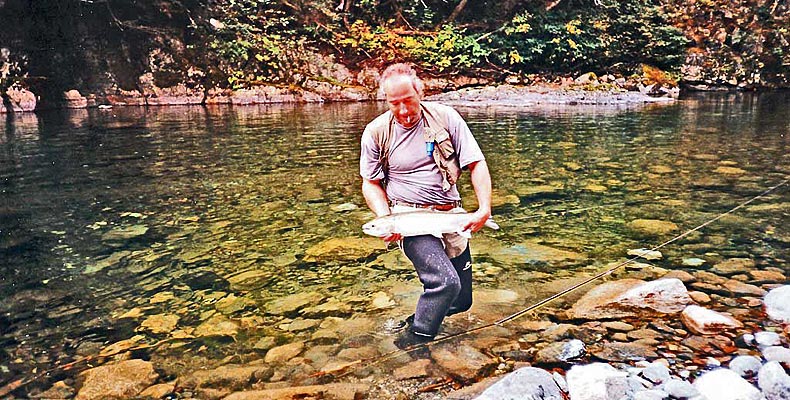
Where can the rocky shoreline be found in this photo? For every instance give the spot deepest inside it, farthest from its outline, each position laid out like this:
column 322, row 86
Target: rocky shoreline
column 648, row 338
column 583, row 90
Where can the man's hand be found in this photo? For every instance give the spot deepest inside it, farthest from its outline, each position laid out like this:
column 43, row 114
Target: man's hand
column 477, row 221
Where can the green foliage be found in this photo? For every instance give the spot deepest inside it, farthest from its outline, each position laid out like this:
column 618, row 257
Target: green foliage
column 447, row 49
column 250, row 41
column 617, row 37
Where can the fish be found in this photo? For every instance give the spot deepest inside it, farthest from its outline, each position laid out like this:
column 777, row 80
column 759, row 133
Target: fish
column 415, row 223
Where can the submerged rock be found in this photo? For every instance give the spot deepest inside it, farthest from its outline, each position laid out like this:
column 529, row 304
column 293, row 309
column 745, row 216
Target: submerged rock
column 631, row 297
column 125, row 379
column 652, row 227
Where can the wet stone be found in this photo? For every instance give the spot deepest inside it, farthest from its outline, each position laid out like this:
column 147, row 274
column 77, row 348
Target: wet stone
column 290, row 305
column 284, row 353
column 618, row 326
column 733, row 266
column 463, row 362
column 777, row 353
column 699, row 297
column 707, row 322
column 764, row 339
column 723, row 384
column 623, row 352
column 766, row 276
column 265, row 343
column 774, row 382
column 740, row 288
column 693, row 262
column 122, row 380
column 524, row 383
column 684, row 276
column 412, row 370
column 679, row 389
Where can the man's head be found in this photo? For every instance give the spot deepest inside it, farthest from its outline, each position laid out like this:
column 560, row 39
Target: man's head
column 403, row 90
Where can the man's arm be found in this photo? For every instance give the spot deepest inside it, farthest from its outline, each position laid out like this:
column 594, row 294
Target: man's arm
column 376, row 198
column 481, row 181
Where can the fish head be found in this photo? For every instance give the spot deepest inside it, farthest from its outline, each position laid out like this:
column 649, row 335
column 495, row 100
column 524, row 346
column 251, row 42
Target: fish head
column 377, row 228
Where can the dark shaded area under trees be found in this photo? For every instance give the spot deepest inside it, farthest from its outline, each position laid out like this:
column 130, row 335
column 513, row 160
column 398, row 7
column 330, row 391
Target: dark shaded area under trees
column 98, row 46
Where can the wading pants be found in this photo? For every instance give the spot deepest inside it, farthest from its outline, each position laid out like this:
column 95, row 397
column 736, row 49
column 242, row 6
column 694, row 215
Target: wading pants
column 447, row 283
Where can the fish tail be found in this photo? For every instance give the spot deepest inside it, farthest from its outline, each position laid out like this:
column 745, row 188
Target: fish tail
column 491, row 224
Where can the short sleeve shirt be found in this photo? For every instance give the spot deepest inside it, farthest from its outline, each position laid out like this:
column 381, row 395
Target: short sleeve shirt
column 413, row 175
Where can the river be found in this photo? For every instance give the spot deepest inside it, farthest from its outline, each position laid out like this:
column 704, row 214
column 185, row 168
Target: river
column 153, row 221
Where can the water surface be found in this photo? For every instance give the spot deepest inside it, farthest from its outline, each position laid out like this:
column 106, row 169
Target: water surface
column 207, row 212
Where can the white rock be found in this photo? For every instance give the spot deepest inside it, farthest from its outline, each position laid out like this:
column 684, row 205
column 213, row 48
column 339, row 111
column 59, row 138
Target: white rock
column 652, row 394
column 560, row 380
column 745, row 366
column 656, row 373
column 723, row 384
column 680, row 389
column 777, row 353
column 524, row 383
column 777, row 304
column 707, row 322
column 767, row 339
column 774, row 382
column 596, row 381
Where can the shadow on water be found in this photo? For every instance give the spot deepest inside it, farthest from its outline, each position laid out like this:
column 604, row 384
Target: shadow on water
column 207, row 223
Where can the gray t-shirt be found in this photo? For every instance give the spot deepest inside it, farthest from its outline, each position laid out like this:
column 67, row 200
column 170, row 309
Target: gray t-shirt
column 413, row 174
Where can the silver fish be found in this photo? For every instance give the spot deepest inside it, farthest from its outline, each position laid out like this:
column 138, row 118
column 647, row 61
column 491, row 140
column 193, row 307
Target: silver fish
column 422, row 223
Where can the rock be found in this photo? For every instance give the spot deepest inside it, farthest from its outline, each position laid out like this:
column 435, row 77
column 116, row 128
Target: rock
column 765, row 339
column 647, row 254
column 723, row 384
column 284, row 353
column 745, row 366
column 693, row 262
column 623, row 352
column 331, row 308
column 699, row 297
column 217, row 325
column 561, row 352
column 343, row 249
column 265, row 343
column 22, row 100
column 106, row 262
column 124, row 233
column 656, row 373
column 777, row 304
column 707, row 322
column 652, row 227
column 766, row 276
column 531, row 253
column 122, row 380
column 618, row 326
column 336, row 391
column 741, row 288
column 733, row 266
column 774, row 382
column 159, row 391
column 229, row 377
column 777, row 353
column 160, row 323
column 524, row 383
column 412, row 370
column 684, row 276
column 631, row 297
column 463, row 362
column 596, row 381
column 60, row 390
column 679, row 389
column 290, row 305
column 73, row 99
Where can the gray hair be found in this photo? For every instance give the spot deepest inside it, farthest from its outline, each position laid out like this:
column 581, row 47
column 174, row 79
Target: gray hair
column 402, row 69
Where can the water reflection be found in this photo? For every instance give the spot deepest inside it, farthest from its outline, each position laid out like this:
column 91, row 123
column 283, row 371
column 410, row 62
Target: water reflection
column 112, row 217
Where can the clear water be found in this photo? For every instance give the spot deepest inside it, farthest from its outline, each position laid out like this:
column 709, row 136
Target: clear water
column 210, row 194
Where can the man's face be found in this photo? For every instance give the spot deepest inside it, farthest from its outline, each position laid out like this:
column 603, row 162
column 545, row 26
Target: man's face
column 403, row 100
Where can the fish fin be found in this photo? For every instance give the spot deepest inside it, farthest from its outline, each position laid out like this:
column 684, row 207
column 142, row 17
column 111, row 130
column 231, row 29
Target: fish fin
column 491, row 224
column 467, row 233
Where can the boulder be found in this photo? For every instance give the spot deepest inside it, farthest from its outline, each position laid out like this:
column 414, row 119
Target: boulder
column 774, row 381
column 723, row 384
column 596, row 382
column 630, row 298
column 777, row 304
column 524, row 383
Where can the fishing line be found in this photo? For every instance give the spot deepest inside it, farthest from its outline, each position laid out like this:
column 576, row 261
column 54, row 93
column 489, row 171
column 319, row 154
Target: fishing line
column 582, row 209
column 500, row 322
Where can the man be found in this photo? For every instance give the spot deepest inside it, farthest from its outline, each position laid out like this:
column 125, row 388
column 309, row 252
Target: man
column 404, row 168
